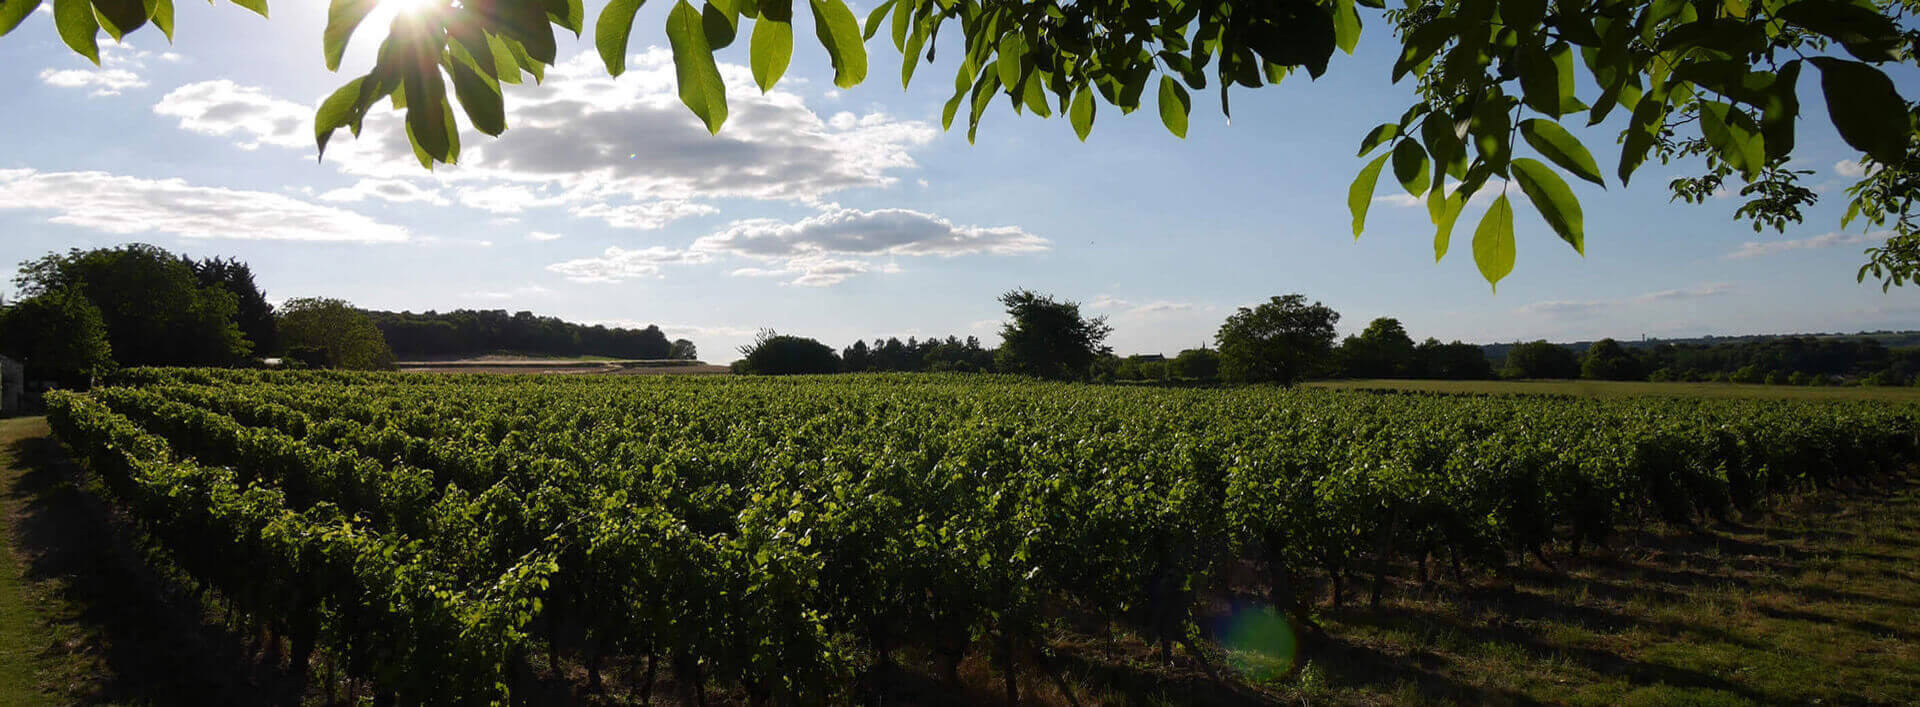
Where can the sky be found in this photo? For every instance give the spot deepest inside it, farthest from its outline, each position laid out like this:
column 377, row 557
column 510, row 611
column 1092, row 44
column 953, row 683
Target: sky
column 850, row 214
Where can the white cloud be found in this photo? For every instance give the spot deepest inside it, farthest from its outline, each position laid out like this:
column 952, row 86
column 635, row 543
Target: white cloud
column 505, row 198
column 543, row 236
column 1755, row 249
column 127, row 205
column 856, row 232
column 1850, row 168
column 116, row 72
column 622, row 150
column 104, row 82
column 527, row 290
column 1570, row 309
column 644, row 216
column 618, row 264
column 826, row 249
column 1713, row 289
column 1123, row 307
column 393, row 190
column 246, row 113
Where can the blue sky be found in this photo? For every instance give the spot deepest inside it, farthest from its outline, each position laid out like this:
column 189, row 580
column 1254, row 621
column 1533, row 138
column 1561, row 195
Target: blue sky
column 850, row 214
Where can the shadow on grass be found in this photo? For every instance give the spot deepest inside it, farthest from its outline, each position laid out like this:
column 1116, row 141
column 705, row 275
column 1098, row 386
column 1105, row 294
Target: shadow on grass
column 148, row 640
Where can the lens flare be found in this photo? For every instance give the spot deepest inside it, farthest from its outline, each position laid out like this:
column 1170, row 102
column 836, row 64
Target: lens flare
column 1261, row 643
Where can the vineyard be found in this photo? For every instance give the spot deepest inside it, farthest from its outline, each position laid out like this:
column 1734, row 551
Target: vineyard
column 784, row 539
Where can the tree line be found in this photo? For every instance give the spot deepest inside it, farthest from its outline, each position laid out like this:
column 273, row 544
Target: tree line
column 1284, row 340
column 469, row 332
column 1786, row 360
column 86, row 312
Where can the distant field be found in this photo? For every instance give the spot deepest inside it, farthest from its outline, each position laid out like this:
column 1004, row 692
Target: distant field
column 588, row 365
column 1614, row 389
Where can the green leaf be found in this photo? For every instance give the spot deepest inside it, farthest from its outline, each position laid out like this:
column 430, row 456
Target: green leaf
column 1560, row 146
column 567, row 13
column 771, row 49
column 910, row 56
column 699, row 78
column 1639, row 136
column 1346, row 26
column 118, row 17
column 611, row 32
column 77, row 27
column 1553, row 199
column 1377, row 137
column 343, row 16
column 722, row 23
column 1444, row 212
column 1539, row 79
column 1493, row 242
column 1410, row 166
column 160, row 12
column 13, row 12
column 480, row 98
column 429, row 117
column 1081, row 114
column 259, row 7
column 1174, row 105
column 506, row 63
column 1734, row 136
column 1360, row 193
column 1866, row 33
column 1035, row 96
column 336, row 112
column 1865, row 107
column 874, row 18
column 839, row 33
column 1012, row 53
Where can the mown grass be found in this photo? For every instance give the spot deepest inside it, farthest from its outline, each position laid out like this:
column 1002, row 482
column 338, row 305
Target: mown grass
column 1630, row 388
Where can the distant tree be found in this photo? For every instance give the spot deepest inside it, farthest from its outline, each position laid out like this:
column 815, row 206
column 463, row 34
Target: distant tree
column 1383, row 350
column 1455, row 361
column 774, row 354
column 57, row 335
column 1202, row 363
column 1662, row 375
column 1607, row 360
column 856, row 358
column 1539, row 359
column 1049, row 338
column 252, row 312
column 1281, row 341
column 154, row 308
column 1749, row 373
column 347, row 335
column 1799, row 378
column 683, row 350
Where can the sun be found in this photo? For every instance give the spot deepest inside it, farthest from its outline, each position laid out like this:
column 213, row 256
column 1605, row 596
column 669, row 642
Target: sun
column 409, row 7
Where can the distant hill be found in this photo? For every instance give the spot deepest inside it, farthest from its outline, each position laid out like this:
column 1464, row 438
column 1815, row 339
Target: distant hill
column 1889, row 339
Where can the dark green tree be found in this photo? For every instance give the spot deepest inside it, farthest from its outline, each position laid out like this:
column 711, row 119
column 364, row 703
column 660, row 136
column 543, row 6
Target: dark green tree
column 1201, row 364
column 1049, row 338
column 1540, row 359
column 155, row 309
column 252, row 312
column 57, row 335
column 1282, row 341
column 683, row 350
column 774, row 354
column 1455, row 361
column 1607, row 360
column 1383, row 350
column 346, row 335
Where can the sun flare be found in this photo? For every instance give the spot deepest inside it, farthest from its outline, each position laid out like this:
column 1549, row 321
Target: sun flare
column 400, row 7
